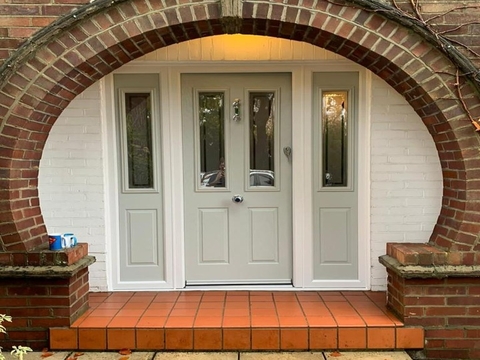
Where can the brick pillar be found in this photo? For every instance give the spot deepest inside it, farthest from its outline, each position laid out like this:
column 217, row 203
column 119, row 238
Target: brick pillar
column 423, row 289
column 42, row 289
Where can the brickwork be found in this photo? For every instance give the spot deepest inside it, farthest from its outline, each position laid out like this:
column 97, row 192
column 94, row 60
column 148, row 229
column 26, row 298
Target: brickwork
column 37, row 303
column 448, row 309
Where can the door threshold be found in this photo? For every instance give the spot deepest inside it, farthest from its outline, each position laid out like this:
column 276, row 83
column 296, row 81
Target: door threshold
column 250, row 287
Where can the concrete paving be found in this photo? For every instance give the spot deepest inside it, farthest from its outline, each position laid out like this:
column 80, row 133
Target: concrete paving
column 138, row 355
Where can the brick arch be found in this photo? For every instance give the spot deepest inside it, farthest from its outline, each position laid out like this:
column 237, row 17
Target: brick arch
column 61, row 65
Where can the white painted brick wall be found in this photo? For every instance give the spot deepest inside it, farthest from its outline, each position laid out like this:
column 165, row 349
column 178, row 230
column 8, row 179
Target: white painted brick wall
column 406, row 182
column 406, row 178
column 71, row 179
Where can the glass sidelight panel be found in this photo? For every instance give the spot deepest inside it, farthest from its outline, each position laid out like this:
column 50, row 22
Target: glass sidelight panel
column 138, row 110
column 262, row 140
column 335, row 139
column 212, row 139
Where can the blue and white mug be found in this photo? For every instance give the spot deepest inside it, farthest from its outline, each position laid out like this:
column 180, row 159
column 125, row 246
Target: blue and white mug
column 69, row 240
column 55, row 242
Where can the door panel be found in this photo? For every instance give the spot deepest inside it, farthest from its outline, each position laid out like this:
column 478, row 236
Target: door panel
column 140, row 199
column 234, row 127
column 335, row 184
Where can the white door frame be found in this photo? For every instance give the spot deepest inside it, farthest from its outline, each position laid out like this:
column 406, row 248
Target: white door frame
column 302, row 209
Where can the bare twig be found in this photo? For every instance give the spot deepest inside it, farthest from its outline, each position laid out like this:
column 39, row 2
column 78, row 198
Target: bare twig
column 457, row 27
column 452, row 10
column 475, row 123
column 465, row 47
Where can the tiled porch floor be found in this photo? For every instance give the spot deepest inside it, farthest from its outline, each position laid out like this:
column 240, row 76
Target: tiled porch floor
column 237, row 320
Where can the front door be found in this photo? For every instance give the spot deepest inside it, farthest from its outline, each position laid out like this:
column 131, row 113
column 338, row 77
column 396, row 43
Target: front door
column 237, row 178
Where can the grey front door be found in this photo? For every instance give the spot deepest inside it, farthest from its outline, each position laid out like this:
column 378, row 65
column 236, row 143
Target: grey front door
column 237, row 178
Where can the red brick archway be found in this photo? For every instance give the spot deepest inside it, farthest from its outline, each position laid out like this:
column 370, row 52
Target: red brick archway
column 41, row 84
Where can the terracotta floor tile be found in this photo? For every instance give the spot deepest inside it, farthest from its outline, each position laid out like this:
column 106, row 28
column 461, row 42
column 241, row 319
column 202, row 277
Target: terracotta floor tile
column 317, row 312
column 207, row 321
column 131, row 312
column 265, row 339
column 95, row 322
column 291, row 312
column 162, row 305
column 262, row 305
column 349, row 321
column 333, row 298
column 112, row 305
column 210, row 312
column 264, row 321
column 123, row 322
column 186, row 305
column 236, row 339
column 263, row 312
column 151, row 322
column 381, row 338
column 189, row 298
column 178, row 339
column 207, row 339
column 378, row 320
column 236, row 312
column 148, row 339
column 410, row 338
column 292, row 321
column 77, row 322
column 104, row 312
column 215, row 298
column 179, row 322
column 237, row 305
column 237, row 299
column 321, row 321
column 236, row 321
column 307, row 296
column 156, row 312
column 120, row 339
column 293, row 339
column 212, row 305
column 166, row 297
column 254, row 298
column 135, row 306
column 63, row 339
column 323, row 338
column 92, row 339
column 183, row 312
column 352, row 338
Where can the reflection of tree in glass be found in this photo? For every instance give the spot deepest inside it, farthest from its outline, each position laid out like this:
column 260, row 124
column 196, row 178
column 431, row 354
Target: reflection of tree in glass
column 139, row 140
column 335, row 141
column 212, row 147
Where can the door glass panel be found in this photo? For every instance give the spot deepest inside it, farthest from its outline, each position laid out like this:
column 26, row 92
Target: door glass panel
column 334, row 124
column 212, row 139
column 262, row 142
column 138, row 110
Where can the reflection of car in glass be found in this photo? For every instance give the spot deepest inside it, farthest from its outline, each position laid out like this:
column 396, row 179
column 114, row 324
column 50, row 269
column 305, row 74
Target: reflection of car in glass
column 257, row 178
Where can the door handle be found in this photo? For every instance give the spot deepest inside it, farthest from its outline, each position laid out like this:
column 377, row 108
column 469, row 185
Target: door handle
column 237, row 199
column 236, row 110
column 287, row 150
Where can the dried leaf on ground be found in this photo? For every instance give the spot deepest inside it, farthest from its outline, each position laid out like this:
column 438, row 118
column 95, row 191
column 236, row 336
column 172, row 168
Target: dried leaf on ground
column 335, row 354
column 125, row 352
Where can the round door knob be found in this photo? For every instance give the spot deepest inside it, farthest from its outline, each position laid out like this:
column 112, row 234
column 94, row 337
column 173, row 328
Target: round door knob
column 237, row 199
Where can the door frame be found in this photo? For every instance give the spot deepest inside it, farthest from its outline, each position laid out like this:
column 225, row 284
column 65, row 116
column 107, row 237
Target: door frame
column 172, row 158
